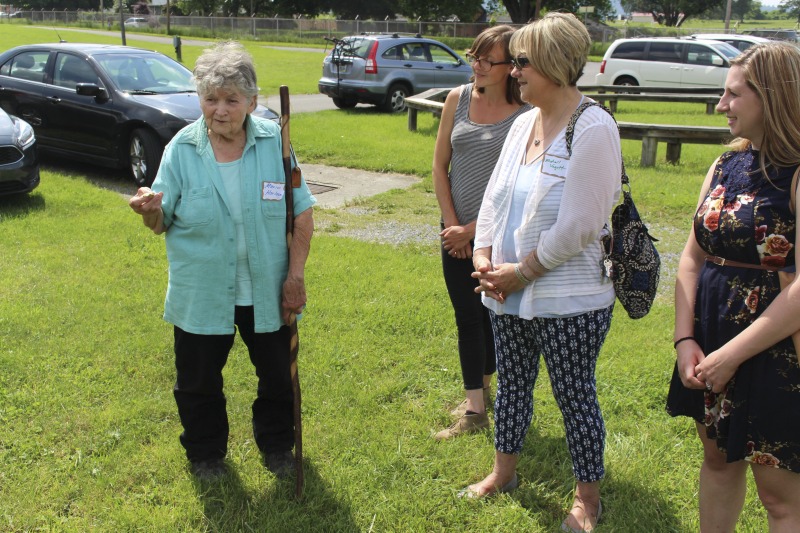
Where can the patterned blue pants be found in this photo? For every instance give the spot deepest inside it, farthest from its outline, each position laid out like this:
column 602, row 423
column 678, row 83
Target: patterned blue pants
column 570, row 347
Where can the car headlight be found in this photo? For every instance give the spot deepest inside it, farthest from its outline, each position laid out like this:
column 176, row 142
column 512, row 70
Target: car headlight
column 23, row 132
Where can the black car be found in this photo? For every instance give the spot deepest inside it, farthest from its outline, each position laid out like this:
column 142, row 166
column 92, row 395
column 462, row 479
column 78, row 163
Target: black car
column 115, row 106
column 19, row 165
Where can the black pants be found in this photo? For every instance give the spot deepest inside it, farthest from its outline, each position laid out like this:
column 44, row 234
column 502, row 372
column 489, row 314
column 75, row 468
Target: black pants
column 475, row 338
column 199, row 360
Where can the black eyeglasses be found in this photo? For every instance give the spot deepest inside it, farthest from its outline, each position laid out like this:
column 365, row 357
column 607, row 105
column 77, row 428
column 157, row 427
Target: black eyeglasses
column 520, row 62
column 485, row 64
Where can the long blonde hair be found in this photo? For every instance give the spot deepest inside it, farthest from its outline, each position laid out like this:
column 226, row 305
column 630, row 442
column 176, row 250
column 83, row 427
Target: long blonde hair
column 772, row 70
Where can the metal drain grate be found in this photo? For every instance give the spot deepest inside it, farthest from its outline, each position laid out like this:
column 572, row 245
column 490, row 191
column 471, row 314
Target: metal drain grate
column 318, row 188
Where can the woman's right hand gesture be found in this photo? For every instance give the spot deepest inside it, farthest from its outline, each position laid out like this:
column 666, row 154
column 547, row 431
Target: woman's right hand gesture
column 689, row 356
column 145, row 201
column 148, row 204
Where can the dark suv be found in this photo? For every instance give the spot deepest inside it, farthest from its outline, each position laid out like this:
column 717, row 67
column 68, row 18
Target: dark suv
column 383, row 69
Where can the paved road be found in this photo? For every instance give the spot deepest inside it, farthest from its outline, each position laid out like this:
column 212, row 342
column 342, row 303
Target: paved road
column 307, row 103
column 301, row 103
column 332, row 186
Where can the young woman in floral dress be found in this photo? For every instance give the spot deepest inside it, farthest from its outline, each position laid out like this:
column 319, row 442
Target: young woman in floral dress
column 737, row 373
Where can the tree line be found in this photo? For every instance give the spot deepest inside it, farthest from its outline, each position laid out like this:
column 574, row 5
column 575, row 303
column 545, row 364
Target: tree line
column 667, row 12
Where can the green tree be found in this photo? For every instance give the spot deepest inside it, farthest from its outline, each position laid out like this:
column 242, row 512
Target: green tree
column 791, row 8
column 202, row 7
column 289, row 8
column 672, row 12
column 465, row 10
column 365, row 9
column 523, row 11
column 59, row 5
column 740, row 8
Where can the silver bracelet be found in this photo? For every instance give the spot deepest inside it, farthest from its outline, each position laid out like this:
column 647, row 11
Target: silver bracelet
column 520, row 276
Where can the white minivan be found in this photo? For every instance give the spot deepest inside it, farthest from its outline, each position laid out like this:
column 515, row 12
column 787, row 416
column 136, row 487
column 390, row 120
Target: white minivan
column 666, row 62
column 737, row 40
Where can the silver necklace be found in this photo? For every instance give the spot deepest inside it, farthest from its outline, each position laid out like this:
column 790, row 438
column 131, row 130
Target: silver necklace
column 537, row 142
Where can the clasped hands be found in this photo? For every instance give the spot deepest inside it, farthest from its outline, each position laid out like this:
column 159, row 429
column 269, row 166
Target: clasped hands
column 496, row 281
column 456, row 241
column 698, row 371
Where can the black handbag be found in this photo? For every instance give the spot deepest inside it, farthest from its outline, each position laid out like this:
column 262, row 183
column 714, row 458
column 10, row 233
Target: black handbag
column 630, row 258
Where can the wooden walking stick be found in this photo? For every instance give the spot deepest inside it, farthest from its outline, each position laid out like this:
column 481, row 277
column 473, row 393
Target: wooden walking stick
column 289, row 184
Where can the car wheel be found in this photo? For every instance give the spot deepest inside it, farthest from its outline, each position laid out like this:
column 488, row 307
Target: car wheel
column 143, row 156
column 626, row 81
column 344, row 103
column 396, row 99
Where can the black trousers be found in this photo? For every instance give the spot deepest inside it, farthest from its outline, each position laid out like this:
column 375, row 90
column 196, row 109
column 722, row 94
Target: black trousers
column 475, row 337
column 199, row 360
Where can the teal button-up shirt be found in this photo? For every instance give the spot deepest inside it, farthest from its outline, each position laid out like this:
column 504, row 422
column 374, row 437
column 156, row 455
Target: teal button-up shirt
column 201, row 235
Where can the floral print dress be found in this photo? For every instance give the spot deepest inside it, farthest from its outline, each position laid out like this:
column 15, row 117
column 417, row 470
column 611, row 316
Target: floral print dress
column 745, row 217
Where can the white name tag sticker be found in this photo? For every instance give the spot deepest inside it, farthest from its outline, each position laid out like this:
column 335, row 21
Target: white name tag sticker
column 271, row 190
column 554, row 166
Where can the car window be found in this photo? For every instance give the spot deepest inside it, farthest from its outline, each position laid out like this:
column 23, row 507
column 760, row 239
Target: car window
column 739, row 45
column 726, row 50
column 395, row 52
column 701, row 55
column 71, row 70
column 358, row 47
column 629, row 51
column 26, row 66
column 440, row 55
column 416, row 52
column 146, row 74
column 666, row 52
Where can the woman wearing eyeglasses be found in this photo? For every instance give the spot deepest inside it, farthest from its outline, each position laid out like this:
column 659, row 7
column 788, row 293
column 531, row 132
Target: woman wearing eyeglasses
column 538, row 257
column 475, row 120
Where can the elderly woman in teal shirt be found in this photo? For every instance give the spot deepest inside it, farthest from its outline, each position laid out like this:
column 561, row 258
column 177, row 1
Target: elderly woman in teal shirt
column 219, row 198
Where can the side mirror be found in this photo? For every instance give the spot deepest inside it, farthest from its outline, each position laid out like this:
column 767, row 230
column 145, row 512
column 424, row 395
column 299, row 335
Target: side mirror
column 717, row 61
column 91, row 89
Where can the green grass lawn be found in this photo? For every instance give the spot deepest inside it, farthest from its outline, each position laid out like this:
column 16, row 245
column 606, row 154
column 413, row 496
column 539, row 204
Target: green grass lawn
column 300, row 70
column 89, row 429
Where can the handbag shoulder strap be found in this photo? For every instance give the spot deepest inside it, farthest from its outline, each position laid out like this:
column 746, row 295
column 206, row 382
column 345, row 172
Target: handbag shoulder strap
column 571, row 132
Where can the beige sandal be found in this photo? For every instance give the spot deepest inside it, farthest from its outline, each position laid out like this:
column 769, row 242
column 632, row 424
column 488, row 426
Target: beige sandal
column 461, row 409
column 569, row 529
column 466, row 424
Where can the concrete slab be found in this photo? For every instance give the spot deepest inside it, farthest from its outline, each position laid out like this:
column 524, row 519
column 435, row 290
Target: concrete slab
column 334, row 186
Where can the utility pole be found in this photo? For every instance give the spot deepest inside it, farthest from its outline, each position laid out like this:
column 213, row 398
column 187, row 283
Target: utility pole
column 728, row 15
column 122, row 23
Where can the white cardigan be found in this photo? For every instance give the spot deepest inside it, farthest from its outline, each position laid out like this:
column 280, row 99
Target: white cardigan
column 566, row 210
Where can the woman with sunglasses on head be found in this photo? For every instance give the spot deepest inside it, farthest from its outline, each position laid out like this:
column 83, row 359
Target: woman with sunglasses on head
column 538, row 255
column 737, row 373
column 475, row 120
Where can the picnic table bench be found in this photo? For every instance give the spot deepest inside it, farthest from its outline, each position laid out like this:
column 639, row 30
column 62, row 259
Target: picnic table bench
column 673, row 135
column 710, row 100
column 650, row 134
column 431, row 100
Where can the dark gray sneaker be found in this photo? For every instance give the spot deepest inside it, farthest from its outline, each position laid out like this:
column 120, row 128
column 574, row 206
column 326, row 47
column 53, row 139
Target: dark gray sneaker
column 209, row 469
column 280, row 463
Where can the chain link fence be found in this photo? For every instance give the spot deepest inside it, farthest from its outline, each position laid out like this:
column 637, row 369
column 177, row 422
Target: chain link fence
column 262, row 28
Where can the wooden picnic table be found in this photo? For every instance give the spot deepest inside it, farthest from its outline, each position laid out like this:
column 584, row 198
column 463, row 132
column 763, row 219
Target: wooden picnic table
column 611, row 99
column 650, row 134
